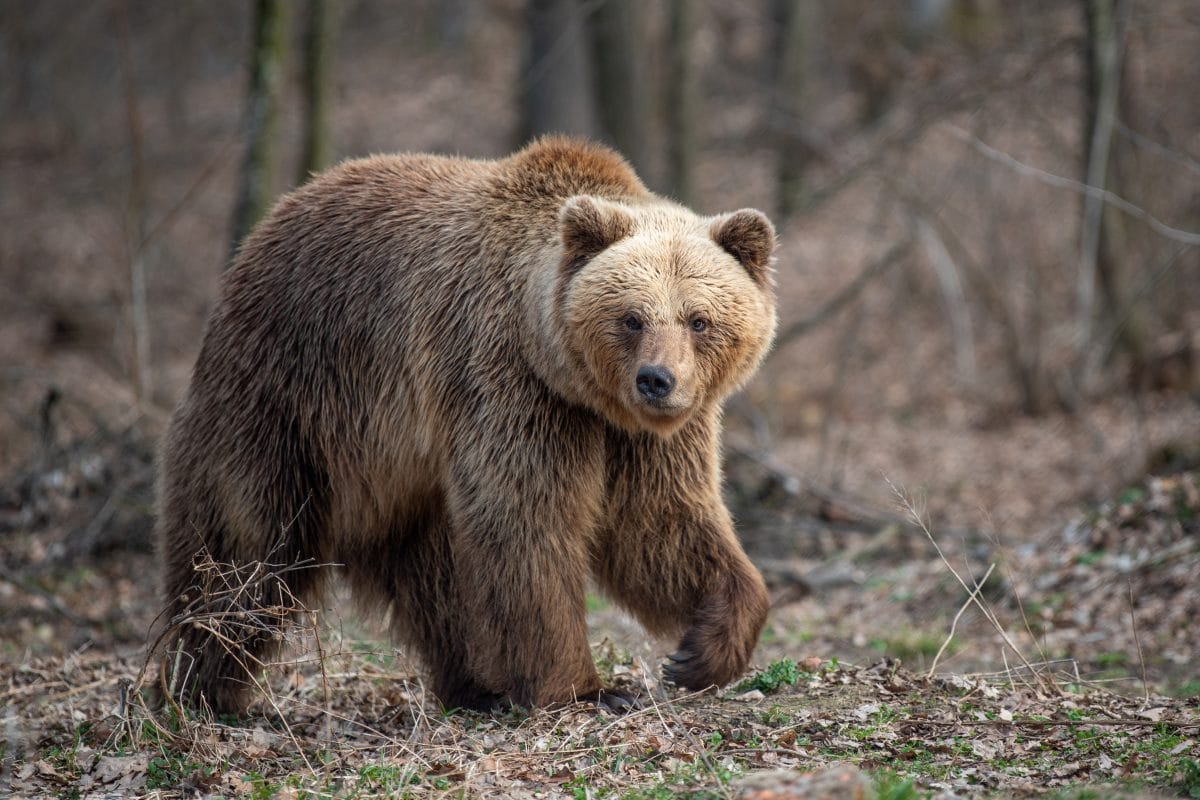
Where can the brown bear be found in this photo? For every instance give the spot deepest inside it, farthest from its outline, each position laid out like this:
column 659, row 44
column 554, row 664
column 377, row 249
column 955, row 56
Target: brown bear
column 471, row 386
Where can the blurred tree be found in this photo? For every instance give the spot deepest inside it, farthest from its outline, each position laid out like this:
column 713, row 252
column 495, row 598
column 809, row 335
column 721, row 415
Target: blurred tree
column 318, row 72
column 135, row 219
column 926, row 17
column 1102, row 227
column 455, row 21
column 620, row 77
column 556, row 88
column 262, row 112
column 792, row 24
column 682, row 100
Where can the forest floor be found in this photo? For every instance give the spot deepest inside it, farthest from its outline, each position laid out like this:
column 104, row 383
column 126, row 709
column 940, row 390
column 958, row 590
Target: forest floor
column 861, row 689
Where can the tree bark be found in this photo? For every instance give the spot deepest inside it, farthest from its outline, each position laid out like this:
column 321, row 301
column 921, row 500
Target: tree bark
column 318, row 78
column 682, row 101
column 262, row 113
column 556, row 89
column 793, row 20
column 135, row 221
column 620, row 77
column 1105, row 22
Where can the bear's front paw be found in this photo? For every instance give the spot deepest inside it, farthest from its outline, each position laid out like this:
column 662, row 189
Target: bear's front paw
column 696, row 667
column 688, row 670
column 716, row 648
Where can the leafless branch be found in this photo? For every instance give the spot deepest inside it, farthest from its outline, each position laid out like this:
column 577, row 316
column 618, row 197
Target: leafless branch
column 1190, row 238
column 956, row 302
column 1185, row 160
column 893, row 255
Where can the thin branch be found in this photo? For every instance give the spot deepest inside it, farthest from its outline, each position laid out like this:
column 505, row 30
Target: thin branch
column 1063, row 723
column 52, row 600
column 218, row 159
column 954, row 623
column 1151, row 281
column 956, row 301
column 1137, row 641
column 1190, row 238
column 795, row 330
column 565, row 41
column 1175, row 156
column 907, row 129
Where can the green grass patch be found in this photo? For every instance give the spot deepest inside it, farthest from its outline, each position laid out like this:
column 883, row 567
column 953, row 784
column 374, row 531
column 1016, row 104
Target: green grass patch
column 596, row 603
column 778, row 674
column 890, row 785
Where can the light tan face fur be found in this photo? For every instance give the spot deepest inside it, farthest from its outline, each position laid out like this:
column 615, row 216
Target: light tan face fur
column 670, row 303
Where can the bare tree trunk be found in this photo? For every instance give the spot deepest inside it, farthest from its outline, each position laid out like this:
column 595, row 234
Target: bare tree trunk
column 620, row 77
column 793, row 20
column 318, row 75
column 266, row 83
column 926, row 17
column 682, row 101
column 556, row 90
column 1103, row 76
column 455, row 22
column 135, row 220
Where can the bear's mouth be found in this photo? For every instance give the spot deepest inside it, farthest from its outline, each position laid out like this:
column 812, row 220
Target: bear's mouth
column 661, row 410
column 661, row 417
column 665, row 407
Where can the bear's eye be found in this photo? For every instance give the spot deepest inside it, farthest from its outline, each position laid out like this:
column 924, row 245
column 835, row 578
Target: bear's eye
column 632, row 323
column 699, row 324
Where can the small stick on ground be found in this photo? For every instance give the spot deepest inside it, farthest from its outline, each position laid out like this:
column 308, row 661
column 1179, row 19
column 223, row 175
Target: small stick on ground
column 1137, row 641
column 954, row 622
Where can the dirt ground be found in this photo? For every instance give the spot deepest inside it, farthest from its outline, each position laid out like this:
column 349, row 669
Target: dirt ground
column 1076, row 667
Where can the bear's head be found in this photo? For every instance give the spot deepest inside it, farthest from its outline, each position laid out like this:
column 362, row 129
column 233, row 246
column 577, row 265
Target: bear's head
column 664, row 312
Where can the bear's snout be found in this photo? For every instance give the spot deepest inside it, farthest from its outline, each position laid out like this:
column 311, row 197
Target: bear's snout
column 655, row 382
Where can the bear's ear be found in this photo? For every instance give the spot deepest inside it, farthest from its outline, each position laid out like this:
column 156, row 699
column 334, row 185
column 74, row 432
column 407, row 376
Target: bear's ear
column 748, row 236
column 589, row 225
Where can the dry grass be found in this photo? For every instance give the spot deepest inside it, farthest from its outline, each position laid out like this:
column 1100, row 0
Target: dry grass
column 340, row 716
column 335, row 718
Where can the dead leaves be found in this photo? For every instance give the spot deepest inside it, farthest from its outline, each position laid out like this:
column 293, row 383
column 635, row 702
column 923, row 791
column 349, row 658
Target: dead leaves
column 1125, row 583
column 958, row 733
column 120, row 775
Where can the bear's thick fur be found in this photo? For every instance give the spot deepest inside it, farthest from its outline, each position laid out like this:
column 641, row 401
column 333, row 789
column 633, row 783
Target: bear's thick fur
column 473, row 384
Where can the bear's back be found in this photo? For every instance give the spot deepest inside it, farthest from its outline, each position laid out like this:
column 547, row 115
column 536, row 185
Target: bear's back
column 556, row 167
column 359, row 283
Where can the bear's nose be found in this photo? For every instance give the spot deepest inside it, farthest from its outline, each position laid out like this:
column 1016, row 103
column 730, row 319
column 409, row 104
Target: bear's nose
column 655, row 382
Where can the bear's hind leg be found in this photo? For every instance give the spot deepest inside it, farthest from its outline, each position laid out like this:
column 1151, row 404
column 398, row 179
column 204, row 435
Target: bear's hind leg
column 229, row 604
column 412, row 570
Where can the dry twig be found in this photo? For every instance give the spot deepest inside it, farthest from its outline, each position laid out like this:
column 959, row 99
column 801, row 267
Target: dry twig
column 919, row 520
column 954, row 623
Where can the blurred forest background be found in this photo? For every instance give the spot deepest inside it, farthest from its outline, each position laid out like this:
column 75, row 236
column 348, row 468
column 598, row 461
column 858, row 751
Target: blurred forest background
column 989, row 271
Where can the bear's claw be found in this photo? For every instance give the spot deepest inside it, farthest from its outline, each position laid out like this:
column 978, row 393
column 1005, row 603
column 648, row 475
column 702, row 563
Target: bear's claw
column 680, row 656
column 687, row 672
column 617, row 701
